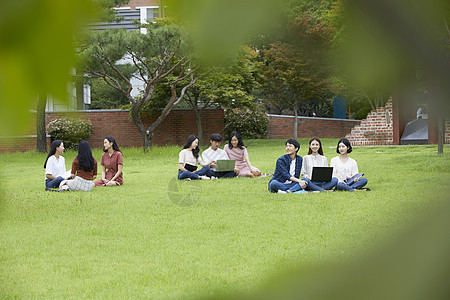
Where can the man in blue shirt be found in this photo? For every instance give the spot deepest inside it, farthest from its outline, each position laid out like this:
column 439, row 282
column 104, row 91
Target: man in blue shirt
column 286, row 178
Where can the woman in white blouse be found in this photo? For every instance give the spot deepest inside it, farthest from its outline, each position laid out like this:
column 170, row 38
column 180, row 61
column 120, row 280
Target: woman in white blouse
column 55, row 166
column 345, row 168
column 315, row 158
column 188, row 159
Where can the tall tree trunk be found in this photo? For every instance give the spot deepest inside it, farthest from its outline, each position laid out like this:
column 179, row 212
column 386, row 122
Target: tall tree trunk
column 41, row 136
column 440, row 135
column 198, row 120
column 296, row 120
column 146, row 134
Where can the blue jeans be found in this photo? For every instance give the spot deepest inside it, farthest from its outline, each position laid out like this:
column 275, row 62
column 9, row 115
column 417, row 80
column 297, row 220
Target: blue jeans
column 322, row 186
column 53, row 183
column 226, row 174
column 351, row 187
column 191, row 175
column 275, row 186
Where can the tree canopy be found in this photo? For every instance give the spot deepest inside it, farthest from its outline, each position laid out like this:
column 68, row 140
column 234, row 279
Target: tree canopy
column 117, row 56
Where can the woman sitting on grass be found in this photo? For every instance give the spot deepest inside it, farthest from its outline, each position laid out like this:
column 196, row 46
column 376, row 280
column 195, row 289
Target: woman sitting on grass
column 55, row 166
column 346, row 169
column 112, row 160
column 315, row 158
column 84, row 170
column 237, row 151
column 188, row 159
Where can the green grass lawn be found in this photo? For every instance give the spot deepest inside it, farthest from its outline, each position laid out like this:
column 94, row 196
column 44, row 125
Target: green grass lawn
column 157, row 237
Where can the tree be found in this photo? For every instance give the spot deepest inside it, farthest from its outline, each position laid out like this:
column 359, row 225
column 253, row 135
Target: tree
column 225, row 86
column 296, row 70
column 104, row 11
column 152, row 57
column 41, row 136
column 103, row 96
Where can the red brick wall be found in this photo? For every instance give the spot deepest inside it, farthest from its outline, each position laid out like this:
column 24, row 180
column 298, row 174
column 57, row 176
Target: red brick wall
column 376, row 129
column 21, row 143
column 282, row 127
column 134, row 3
column 175, row 128
column 447, row 132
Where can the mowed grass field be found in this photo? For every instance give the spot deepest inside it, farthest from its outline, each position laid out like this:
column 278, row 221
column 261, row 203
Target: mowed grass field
column 157, row 237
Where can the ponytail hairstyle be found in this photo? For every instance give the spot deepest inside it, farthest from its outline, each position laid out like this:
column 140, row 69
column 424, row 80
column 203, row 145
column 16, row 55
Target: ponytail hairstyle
column 113, row 141
column 188, row 144
column 85, row 158
column 55, row 144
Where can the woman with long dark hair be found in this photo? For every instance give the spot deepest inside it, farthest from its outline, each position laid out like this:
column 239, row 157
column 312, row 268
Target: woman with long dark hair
column 55, row 166
column 315, row 158
column 112, row 164
column 346, row 169
column 237, row 151
column 84, row 170
column 189, row 158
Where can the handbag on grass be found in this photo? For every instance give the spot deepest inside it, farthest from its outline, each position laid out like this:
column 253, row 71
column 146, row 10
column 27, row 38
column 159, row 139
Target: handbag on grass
column 352, row 179
column 190, row 167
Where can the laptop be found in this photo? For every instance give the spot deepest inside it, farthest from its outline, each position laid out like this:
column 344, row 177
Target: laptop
column 225, row 165
column 322, row 174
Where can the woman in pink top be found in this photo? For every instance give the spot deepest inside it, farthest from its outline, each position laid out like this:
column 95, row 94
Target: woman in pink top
column 237, row 151
column 112, row 164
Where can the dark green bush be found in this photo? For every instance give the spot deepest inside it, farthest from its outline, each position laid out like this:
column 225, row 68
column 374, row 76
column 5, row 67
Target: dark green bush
column 250, row 123
column 70, row 130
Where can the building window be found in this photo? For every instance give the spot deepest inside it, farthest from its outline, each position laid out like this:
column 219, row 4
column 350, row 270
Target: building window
column 148, row 13
column 152, row 13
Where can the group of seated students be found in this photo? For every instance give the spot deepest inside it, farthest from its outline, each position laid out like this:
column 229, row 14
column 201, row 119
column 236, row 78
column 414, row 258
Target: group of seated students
column 84, row 167
column 189, row 157
column 292, row 173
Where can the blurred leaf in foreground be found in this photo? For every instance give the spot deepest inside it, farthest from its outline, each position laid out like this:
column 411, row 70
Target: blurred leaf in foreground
column 36, row 54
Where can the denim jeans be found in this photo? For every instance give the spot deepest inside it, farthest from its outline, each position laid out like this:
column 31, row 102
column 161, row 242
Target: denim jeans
column 53, row 183
column 275, row 186
column 322, row 186
column 351, row 187
column 226, row 174
column 191, row 175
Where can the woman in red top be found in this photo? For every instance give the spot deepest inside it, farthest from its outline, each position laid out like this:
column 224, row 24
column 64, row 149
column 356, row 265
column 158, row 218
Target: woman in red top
column 112, row 164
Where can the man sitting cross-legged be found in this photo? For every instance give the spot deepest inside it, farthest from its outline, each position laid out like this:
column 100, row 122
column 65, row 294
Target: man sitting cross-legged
column 213, row 154
column 286, row 178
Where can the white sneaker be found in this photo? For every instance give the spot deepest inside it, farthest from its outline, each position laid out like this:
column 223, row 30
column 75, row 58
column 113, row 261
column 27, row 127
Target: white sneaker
column 64, row 188
column 281, row 192
column 212, row 177
column 187, row 179
column 203, row 177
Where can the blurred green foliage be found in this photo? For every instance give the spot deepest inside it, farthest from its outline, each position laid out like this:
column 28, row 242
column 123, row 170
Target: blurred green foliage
column 221, row 27
column 36, row 54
